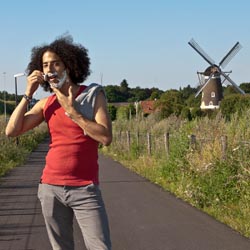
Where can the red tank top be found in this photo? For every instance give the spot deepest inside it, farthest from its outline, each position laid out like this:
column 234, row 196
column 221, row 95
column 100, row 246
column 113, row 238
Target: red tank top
column 72, row 159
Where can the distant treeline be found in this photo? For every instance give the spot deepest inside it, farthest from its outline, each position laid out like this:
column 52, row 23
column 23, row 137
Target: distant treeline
column 181, row 102
column 123, row 93
column 10, row 102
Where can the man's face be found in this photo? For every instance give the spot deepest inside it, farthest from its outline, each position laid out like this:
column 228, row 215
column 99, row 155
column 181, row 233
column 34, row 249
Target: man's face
column 54, row 69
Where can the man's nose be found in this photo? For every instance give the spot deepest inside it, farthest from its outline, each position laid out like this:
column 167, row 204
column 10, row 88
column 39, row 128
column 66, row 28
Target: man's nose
column 51, row 67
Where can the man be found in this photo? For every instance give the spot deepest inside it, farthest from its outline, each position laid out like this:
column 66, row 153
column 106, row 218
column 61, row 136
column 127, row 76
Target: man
column 78, row 121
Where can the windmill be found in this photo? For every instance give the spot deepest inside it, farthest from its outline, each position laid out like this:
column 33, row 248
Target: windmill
column 213, row 77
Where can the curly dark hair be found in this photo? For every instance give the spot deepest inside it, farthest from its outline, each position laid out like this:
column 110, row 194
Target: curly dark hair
column 74, row 56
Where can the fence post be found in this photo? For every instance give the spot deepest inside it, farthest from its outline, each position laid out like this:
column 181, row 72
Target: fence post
column 149, row 143
column 128, row 139
column 120, row 136
column 193, row 141
column 223, row 146
column 166, row 141
column 137, row 137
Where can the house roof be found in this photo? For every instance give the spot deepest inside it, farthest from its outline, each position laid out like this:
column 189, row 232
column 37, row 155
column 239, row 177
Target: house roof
column 147, row 106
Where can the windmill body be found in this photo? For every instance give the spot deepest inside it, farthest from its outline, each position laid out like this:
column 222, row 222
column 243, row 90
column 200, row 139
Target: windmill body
column 211, row 78
column 212, row 93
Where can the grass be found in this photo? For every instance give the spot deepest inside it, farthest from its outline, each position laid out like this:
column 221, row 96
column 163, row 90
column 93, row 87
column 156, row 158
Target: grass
column 11, row 154
column 196, row 173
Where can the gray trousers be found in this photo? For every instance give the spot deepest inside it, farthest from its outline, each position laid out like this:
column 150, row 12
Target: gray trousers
column 61, row 203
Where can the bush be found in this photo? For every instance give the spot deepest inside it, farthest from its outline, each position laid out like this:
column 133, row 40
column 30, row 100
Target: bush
column 12, row 155
column 112, row 112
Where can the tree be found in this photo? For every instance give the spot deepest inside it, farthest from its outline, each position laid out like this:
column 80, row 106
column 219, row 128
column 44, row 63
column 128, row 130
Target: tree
column 170, row 102
column 187, row 91
column 138, row 94
column 155, row 94
column 124, row 87
column 234, row 103
column 186, row 114
column 114, row 94
column 245, row 87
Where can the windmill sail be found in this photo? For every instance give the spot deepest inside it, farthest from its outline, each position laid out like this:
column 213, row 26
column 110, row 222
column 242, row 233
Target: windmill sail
column 200, row 51
column 228, row 57
column 233, row 83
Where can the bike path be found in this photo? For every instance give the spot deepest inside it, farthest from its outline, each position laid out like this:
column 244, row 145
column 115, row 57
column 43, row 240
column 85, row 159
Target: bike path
column 142, row 216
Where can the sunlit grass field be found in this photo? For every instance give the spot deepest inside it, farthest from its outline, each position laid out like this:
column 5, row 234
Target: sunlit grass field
column 202, row 174
column 196, row 173
column 12, row 153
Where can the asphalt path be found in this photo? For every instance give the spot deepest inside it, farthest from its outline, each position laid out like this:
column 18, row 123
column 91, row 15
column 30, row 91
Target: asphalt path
column 142, row 216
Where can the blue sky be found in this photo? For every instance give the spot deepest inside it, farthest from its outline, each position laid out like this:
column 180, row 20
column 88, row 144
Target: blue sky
column 142, row 41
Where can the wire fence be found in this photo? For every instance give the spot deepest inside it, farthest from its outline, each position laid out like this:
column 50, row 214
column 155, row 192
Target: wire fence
column 161, row 143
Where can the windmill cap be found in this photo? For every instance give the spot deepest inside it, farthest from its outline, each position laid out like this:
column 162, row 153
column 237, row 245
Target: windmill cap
column 211, row 70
